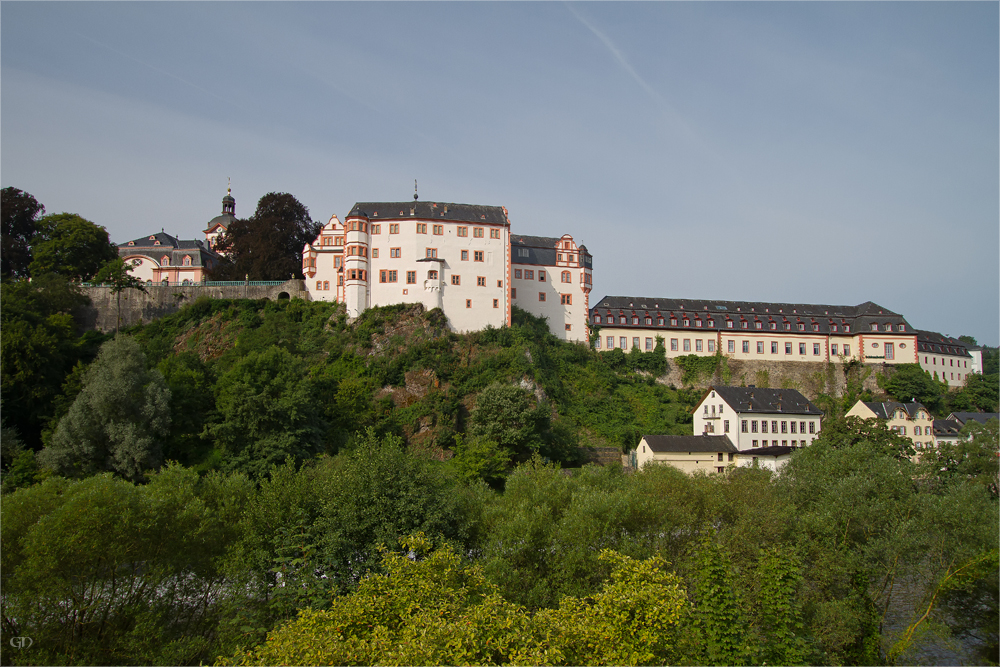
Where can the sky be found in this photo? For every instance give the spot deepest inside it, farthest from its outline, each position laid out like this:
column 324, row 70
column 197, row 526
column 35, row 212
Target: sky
column 830, row 153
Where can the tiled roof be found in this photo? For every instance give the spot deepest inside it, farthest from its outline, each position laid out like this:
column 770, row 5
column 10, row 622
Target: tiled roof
column 713, row 315
column 428, row 210
column 541, row 250
column 757, row 399
column 196, row 249
column 933, row 342
column 947, row 428
column 888, row 408
column 964, row 418
column 773, row 450
column 689, row 443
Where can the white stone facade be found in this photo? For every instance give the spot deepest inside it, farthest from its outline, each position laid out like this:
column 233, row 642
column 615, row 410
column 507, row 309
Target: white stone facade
column 756, row 418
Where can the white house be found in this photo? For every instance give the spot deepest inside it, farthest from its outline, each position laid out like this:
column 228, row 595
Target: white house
column 689, row 453
column 753, row 417
column 945, row 358
column 911, row 420
column 456, row 257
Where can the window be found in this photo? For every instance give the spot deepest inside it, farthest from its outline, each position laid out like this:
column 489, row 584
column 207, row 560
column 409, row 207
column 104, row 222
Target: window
column 833, row 328
column 517, row 272
column 774, row 427
column 468, row 303
column 623, row 342
column 494, row 233
column 847, row 350
column 456, row 279
column 815, row 327
column 477, row 255
column 753, row 426
column 725, row 427
column 697, row 323
column 374, row 253
column 874, row 326
column 784, row 427
column 758, row 324
column 743, row 426
column 432, row 275
column 916, row 430
column 673, row 321
column 319, row 284
column 744, row 324
column 463, row 231
column 597, row 319
column 326, row 284
column 541, row 296
column 635, row 343
column 729, row 324
column 697, row 345
column 731, row 346
column 687, row 344
column 720, row 458
column 774, row 347
column 477, row 232
column 760, row 347
column 711, row 346
column 438, row 230
column 649, row 343
column 746, row 346
column 659, row 322
column 529, row 274
column 421, row 228
column 889, row 351
column 411, row 277
column 802, row 428
column 186, row 261
column 376, row 229
column 569, row 327
column 499, row 283
column 611, row 342
column 774, row 325
column 673, row 344
column 801, row 326
column 793, row 425
column 901, row 327
column 833, row 349
column 816, row 349
column 165, row 260
column 480, row 281
column 522, row 252
column 496, row 304
column 513, row 292
column 763, row 426
column 566, row 299
column 566, row 277
column 340, row 280
column 541, row 276
column 339, row 240
column 431, row 252
column 395, row 253
column 687, row 322
column 338, row 262
column 847, row 328
column 597, row 343
column 802, row 348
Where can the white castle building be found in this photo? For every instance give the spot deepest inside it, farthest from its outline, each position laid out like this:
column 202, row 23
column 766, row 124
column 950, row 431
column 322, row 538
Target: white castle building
column 460, row 258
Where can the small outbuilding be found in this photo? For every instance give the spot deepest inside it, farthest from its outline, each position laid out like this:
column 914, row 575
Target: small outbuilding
column 690, row 453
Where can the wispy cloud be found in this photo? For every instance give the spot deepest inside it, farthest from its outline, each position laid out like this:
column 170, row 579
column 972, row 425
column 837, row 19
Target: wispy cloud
column 152, row 67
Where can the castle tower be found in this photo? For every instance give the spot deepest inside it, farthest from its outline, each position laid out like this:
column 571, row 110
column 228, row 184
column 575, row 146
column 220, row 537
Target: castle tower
column 356, row 244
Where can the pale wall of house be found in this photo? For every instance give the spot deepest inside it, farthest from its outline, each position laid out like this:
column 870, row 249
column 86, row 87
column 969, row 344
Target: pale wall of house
column 920, row 429
column 772, row 463
column 150, row 271
column 952, row 369
column 688, row 462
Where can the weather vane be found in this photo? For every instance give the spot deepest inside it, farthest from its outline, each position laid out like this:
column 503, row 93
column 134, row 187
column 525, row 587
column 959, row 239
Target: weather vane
column 229, row 185
column 414, row 189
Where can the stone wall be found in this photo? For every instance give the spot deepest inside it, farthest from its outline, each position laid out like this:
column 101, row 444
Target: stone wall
column 160, row 300
column 810, row 378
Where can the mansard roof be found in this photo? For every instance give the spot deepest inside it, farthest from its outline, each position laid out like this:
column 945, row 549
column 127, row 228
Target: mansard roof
column 198, row 250
column 661, row 444
column 713, row 314
column 887, row 409
column 933, row 342
column 541, row 250
column 430, row 210
column 772, row 401
column 947, row 428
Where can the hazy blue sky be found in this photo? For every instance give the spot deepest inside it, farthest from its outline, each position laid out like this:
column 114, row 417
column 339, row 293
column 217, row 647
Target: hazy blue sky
column 796, row 152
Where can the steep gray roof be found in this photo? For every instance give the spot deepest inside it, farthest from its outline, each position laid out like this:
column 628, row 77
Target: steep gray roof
column 541, row 250
column 689, row 443
column 198, row 250
column 947, row 428
column 964, row 418
column 713, row 314
column 757, row 399
column 773, row 450
column 886, row 409
column 933, row 342
column 429, row 210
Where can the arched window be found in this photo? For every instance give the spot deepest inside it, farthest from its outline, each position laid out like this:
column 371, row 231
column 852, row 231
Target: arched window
column 186, row 261
column 165, row 260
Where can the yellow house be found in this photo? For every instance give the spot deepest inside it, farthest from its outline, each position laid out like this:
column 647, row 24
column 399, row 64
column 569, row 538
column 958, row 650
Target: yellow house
column 690, row 453
column 907, row 419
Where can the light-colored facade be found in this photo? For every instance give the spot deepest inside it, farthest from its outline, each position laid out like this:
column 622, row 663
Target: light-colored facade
column 161, row 258
column 756, row 330
column 947, row 431
column 911, row 420
column 552, row 278
column 755, row 418
column 456, row 257
column 770, row 458
column 689, row 453
column 945, row 358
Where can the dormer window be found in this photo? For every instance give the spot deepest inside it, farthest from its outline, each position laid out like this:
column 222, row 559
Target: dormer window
column 697, row 323
column 788, row 326
column 729, row 324
column 156, row 243
column 649, row 321
column 874, row 326
column 815, row 327
column 152, row 238
column 597, row 319
column 802, row 326
column 746, row 325
column 847, row 328
column 902, row 327
column 759, row 324
column 186, row 261
column 165, row 260
column 774, row 326
column 131, row 242
column 888, row 327
column 635, row 320
column 687, row 322
column 711, row 323
column 673, row 321
column 833, row 328
column 659, row 322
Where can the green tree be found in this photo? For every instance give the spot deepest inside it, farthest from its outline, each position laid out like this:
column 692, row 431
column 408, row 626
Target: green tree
column 268, row 245
column 19, row 213
column 981, row 393
column 119, row 420
column 117, row 274
column 69, row 245
column 39, row 346
column 844, row 432
column 505, row 415
column 268, row 411
column 910, row 382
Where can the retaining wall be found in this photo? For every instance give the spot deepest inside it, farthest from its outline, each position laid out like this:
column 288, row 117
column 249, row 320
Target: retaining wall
column 162, row 300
